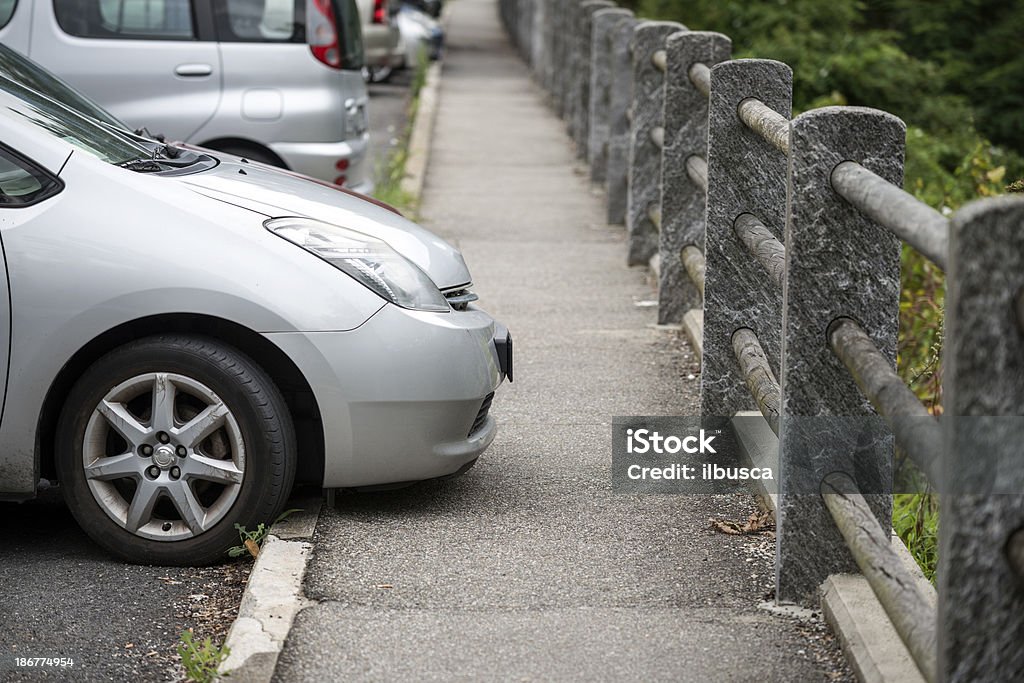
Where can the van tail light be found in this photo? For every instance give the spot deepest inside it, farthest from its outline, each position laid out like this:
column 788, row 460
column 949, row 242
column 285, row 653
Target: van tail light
column 380, row 11
column 323, row 33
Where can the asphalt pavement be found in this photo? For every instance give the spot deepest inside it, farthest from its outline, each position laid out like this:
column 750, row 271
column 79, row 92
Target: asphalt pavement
column 61, row 596
column 529, row 567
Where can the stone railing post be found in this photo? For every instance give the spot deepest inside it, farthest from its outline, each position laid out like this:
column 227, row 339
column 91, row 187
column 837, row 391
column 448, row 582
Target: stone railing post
column 839, row 264
column 556, row 16
column 526, row 28
column 571, row 63
column 981, row 561
column 644, row 189
column 562, row 54
column 541, row 21
column 621, row 99
column 581, row 103
column 746, row 175
column 603, row 22
column 683, row 204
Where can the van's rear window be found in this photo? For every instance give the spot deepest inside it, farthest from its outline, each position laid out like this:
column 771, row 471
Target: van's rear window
column 126, row 19
column 261, row 21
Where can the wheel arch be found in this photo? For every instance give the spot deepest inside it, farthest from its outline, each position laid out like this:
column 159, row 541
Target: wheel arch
column 298, row 394
column 234, row 145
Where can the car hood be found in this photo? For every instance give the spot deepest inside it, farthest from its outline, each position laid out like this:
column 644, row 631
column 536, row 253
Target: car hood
column 276, row 194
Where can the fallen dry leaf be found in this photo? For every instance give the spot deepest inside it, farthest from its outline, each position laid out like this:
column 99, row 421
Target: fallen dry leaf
column 384, row 585
column 251, row 546
column 759, row 522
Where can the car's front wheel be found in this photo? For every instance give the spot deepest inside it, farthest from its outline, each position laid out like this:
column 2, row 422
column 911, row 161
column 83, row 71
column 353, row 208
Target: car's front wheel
column 166, row 443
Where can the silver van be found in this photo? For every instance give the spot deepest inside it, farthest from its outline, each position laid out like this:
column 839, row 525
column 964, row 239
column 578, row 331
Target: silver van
column 277, row 81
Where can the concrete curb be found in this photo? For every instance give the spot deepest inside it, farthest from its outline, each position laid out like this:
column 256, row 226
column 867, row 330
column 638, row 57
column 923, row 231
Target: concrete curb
column 871, row 645
column 422, row 135
column 868, row 639
column 272, row 598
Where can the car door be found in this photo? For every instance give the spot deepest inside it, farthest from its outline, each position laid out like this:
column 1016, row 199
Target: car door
column 152, row 63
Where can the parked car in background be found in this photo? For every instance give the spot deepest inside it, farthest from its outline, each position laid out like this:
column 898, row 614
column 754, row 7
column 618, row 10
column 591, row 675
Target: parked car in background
column 431, row 7
column 277, row 81
column 380, row 39
column 21, row 69
column 422, row 35
column 226, row 329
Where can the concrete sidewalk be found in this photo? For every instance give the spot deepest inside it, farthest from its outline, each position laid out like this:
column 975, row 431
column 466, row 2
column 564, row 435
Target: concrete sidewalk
column 529, row 567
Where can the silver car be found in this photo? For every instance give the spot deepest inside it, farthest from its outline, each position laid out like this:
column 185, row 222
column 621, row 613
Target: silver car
column 277, row 81
column 188, row 336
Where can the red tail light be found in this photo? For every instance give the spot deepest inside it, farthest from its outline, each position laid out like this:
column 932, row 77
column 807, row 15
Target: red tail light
column 323, row 33
column 380, row 11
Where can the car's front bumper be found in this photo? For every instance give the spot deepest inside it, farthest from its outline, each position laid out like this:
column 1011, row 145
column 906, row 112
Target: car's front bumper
column 402, row 398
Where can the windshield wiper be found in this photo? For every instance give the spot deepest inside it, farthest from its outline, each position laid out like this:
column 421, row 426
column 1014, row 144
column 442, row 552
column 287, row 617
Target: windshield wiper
column 142, row 165
column 165, row 150
column 144, row 132
column 169, row 151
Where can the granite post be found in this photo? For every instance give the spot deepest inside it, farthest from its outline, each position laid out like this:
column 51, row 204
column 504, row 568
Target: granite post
column 644, row 187
column 981, row 585
column 581, row 111
column 746, row 174
column 683, row 204
column 621, row 99
column 570, row 93
column 538, row 56
column 603, row 22
column 839, row 263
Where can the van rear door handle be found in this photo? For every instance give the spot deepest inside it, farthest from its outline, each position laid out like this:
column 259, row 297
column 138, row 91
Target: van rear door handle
column 193, row 70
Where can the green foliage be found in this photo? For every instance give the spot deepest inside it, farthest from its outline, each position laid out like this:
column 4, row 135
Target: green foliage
column 915, row 518
column 976, row 45
column 252, row 541
column 200, row 660
column 923, row 62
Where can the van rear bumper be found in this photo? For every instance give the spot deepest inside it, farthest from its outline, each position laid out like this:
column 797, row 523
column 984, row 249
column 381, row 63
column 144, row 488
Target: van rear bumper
column 320, row 160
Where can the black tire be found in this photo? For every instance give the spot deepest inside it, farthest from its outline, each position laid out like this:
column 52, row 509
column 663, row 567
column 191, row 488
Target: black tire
column 260, row 419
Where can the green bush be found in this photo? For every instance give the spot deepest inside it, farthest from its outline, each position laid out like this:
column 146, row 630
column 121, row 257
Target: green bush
column 915, row 517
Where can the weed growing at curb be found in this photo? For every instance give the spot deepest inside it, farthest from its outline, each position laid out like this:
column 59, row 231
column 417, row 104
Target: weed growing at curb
column 200, row 660
column 252, row 541
column 389, row 188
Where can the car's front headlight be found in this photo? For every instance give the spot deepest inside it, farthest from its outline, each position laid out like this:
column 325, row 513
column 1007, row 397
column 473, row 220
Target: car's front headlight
column 367, row 259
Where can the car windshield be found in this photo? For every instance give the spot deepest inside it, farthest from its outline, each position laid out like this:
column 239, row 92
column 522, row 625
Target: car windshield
column 21, row 70
column 109, row 144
